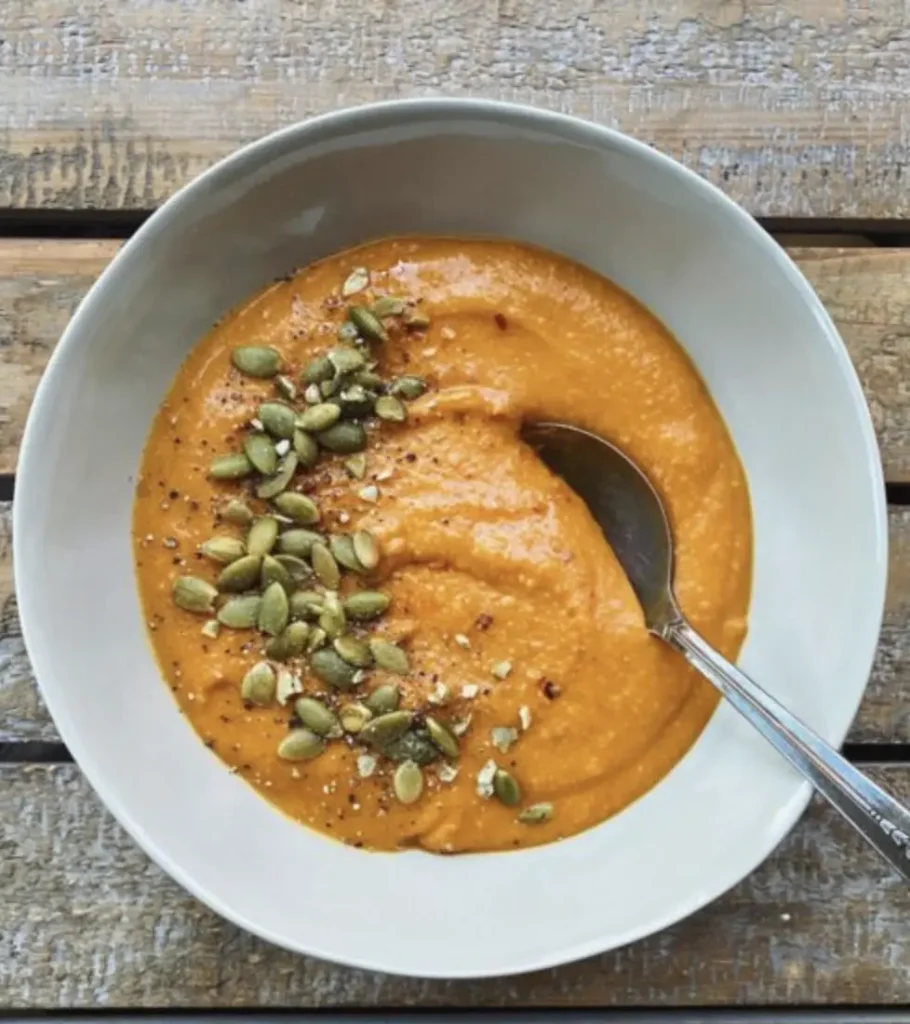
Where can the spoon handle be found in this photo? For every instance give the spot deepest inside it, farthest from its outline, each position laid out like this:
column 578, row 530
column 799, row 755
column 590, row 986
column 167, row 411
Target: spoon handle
column 878, row 817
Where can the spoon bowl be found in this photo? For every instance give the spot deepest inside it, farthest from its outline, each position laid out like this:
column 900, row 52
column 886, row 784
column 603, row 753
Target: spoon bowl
column 633, row 519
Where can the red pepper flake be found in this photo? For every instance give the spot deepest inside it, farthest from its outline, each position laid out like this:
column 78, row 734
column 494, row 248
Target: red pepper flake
column 501, row 321
column 483, row 622
column 550, row 689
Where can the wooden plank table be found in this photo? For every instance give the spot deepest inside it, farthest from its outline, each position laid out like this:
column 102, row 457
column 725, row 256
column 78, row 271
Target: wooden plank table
column 797, row 110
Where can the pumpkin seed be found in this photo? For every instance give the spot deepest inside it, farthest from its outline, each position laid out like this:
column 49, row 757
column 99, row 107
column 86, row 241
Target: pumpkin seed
column 354, row 651
column 536, row 814
column 273, row 571
column 306, row 449
column 356, row 402
column 366, row 605
column 318, row 370
column 258, row 684
column 274, row 611
column 277, row 418
column 356, row 466
column 286, row 388
column 288, row 644
column 369, row 379
column 387, row 728
column 240, row 575
column 383, row 699
column 390, row 656
column 230, row 467
column 261, row 453
column 306, row 604
column 408, row 388
column 413, row 746
column 346, row 359
column 319, row 417
column 416, row 321
column 300, row 745
column 343, row 438
column 366, row 549
column 256, row 360
column 389, row 305
column 194, row 595
column 506, row 788
column 315, row 640
column 211, row 629
column 407, row 782
column 303, row 510
column 391, row 409
column 442, row 738
column 240, row 612
column 342, row 548
column 356, row 281
column 223, row 550
column 325, row 566
column 298, row 542
column 332, row 669
column 316, row 716
column 354, row 717
column 295, row 567
column 262, row 536
column 328, row 388
column 288, row 684
column 238, row 512
column 272, row 487
column 332, row 618
column 368, row 325
column 333, row 622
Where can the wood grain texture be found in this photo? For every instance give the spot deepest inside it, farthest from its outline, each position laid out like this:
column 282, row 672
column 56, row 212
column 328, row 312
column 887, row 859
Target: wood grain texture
column 884, row 716
column 89, row 922
column 867, row 292
column 794, row 108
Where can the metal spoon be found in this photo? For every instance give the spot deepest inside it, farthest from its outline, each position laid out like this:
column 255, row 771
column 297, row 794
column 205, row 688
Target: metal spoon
column 632, row 517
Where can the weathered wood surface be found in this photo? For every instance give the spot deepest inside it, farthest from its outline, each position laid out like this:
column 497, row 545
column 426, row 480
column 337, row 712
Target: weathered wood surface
column 884, row 716
column 866, row 290
column 88, row 921
column 794, row 107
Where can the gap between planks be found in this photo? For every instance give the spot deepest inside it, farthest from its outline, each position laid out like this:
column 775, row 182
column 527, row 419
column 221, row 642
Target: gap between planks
column 89, row 921
column 792, row 108
column 867, row 292
column 883, row 717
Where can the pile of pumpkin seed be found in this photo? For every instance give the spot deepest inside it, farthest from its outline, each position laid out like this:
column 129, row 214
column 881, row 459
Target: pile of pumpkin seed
column 282, row 578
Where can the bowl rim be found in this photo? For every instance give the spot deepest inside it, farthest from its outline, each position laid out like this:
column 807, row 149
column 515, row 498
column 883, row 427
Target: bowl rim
column 352, row 119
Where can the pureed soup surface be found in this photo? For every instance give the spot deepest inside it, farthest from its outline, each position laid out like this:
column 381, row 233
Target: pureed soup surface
column 517, row 631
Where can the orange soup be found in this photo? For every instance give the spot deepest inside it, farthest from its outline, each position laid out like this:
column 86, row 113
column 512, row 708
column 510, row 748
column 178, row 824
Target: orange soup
column 375, row 604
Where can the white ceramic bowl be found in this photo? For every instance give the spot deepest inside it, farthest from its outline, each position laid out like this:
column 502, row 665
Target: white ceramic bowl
column 772, row 360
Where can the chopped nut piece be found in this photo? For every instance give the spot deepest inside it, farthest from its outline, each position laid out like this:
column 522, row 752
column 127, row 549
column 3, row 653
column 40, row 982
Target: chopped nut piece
column 485, row 780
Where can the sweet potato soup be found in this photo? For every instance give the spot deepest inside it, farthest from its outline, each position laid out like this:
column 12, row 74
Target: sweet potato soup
column 375, row 604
